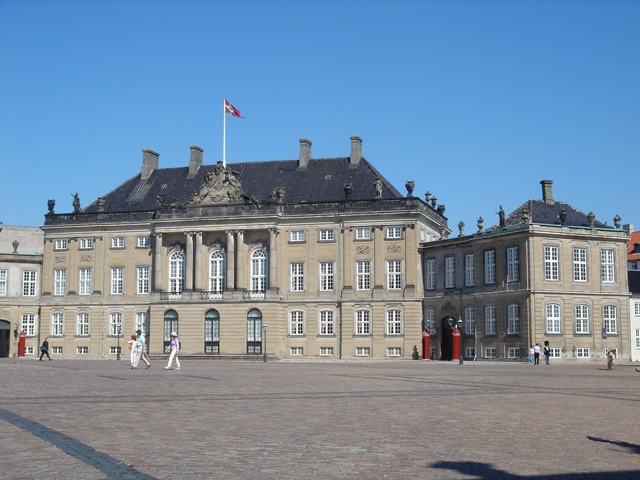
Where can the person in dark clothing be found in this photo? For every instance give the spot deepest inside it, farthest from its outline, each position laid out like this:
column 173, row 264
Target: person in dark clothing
column 44, row 349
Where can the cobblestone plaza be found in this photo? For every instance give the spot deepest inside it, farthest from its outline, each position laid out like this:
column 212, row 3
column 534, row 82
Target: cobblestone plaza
column 89, row 419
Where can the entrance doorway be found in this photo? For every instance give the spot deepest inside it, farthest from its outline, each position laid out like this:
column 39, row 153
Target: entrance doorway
column 254, row 331
column 170, row 325
column 447, row 338
column 5, row 328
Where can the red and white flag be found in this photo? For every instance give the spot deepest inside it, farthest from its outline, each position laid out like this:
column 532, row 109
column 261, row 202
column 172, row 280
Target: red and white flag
column 228, row 108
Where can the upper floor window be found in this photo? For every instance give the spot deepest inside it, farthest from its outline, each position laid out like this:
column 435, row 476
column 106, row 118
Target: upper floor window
column 394, row 274
column 176, row 272
column 28, row 324
column 582, row 318
column 394, row 322
column 363, row 233
column 326, row 322
column 430, row 320
column 490, row 320
column 490, row 266
column 29, row 283
column 117, row 280
column 469, row 321
column 297, row 277
column 362, row 322
column 553, row 318
column 60, row 244
column 117, row 242
column 513, row 267
column 513, row 318
column 608, row 266
column 394, row 232
column 59, row 282
column 637, row 309
column 259, row 270
column 326, row 270
column 363, row 275
column 217, row 271
column 144, row 242
column 143, row 275
column 327, row 235
column 469, row 270
column 610, row 318
column 86, row 243
column 3, row 283
column 449, row 272
column 579, row 264
column 84, row 281
column 296, row 322
column 296, row 236
column 430, row 274
column 551, row 263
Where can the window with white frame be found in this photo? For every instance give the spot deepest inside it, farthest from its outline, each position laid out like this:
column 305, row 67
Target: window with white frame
column 259, row 270
column 59, row 281
column 469, row 321
column 84, row 281
column 57, row 324
column 296, row 322
column 469, row 352
column 469, row 270
column 326, row 270
column 296, row 236
column 216, row 271
column 326, row 350
column 363, row 275
column 297, row 277
column 3, row 283
column 28, row 324
column 117, row 280
column 327, row 235
column 550, row 263
column 86, row 243
column 117, row 242
column 610, row 318
column 513, row 352
column 583, row 353
column 29, row 350
column 115, row 324
column 490, row 320
column 115, row 350
column 394, row 274
column 553, row 318
column 394, row 232
column 615, row 352
column 579, row 264
column 430, row 320
column 608, row 266
column 143, row 274
column 362, row 322
column 57, row 350
column 297, row 350
column 29, row 283
column 637, row 337
column 449, row 272
column 490, row 353
column 555, row 352
column 144, row 242
column 82, row 350
column 363, row 233
column 176, row 272
column 637, row 309
column 394, row 352
column 326, row 322
column 60, row 244
column 430, row 277
column 513, row 318
column 582, row 318
column 394, row 322
column 141, row 322
column 82, row 324
column 490, row 266
column 513, row 266
column 363, row 352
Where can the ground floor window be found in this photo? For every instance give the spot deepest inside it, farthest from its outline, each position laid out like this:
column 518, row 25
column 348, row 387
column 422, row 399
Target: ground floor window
column 296, row 350
column 637, row 337
column 514, row 352
column 57, row 350
column 394, row 352
column 363, row 352
column 582, row 353
column 82, row 350
column 115, row 350
column 28, row 350
column 490, row 353
column 326, row 350
column 555, row 352
column 469, row 352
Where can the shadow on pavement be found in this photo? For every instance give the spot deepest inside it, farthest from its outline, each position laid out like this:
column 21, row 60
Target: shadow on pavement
column 633, row 448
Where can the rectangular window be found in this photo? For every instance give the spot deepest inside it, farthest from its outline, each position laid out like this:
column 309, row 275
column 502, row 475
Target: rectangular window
column 607, row 266
column 582, row 319
column 29, row 350
column 394, row 274
column 430, row 321
column 326, row 322
column 3, row 283
column 394, row 352
column 28, row 324
column 144, row 242
column 394, row 232
column 29, row 283
column 86, row 243
column 637, row 309
column 579, row 264
column 296, row 236
column 363, row 352
column 60, row 244
column 363, row 322
column 297, row 277
column 82, row 324
column 583, row 353
column 551, row 263
column 469, row 321
column 57, row 350
column 610, row 317
column 82, row 350
column 115, row 324
column 326, row 350
column 117, row 279
column 84, row 281
column 57, row 324
column 553, row 318
column 115, row 350
column 59, row 282
column 326, row 276
column 117, row 242
column 490, row 353
column 490, row 267
column 469, row 270
column 449, row 272
column 363, row 275
column 513, row 267
column 555, row 352
column 141, row 322
column 363, row 233
column 513, row 319
column 296, row 322
column 513, row 352
column 637, row 337
column 296, row 350
column 142, row 280
column 394, row 322
column 327, row 235
column 469, row 352
column 430, row 280
column 490, row 320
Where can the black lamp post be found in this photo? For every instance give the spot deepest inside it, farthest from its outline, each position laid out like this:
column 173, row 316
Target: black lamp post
column 264, row 342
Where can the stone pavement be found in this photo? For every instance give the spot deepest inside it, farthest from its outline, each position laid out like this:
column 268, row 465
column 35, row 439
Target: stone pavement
column 98, row 419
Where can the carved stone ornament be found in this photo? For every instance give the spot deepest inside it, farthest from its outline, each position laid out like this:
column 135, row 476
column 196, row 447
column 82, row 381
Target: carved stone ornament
column 220, row 186
column 101, row 202
column 363, row 250
column 86, row 258
column 276, row 195
column 61, row 259
column 51, row 204
column 394, row 249
column 215, row 246
column 176, row 246
column 257, row 245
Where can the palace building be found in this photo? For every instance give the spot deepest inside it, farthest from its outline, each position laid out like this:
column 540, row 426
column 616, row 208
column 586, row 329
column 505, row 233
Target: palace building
column 306, row 258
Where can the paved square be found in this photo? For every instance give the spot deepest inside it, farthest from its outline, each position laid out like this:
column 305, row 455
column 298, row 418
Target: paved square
column 317, row 420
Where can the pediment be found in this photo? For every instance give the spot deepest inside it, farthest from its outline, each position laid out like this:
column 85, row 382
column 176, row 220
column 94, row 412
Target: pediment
column 220, row 187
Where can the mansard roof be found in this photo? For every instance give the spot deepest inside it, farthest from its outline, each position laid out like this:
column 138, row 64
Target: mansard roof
column 322, row 180
column 549, row 214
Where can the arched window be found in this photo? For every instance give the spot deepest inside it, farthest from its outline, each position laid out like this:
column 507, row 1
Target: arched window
column 216, row 271
column 553, row 318
column 176, row 272
column 254, row 331
column 469, row 321
column 212, row 332
column 513, row 318
column 170, row 325
column 362, row 322
column 490, row 320
column 259, row 270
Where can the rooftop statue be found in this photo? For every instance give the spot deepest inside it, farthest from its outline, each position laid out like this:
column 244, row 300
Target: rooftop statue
column 220, row 186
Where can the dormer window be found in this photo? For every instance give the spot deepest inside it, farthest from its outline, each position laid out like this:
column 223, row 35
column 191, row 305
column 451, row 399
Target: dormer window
column 636, row 248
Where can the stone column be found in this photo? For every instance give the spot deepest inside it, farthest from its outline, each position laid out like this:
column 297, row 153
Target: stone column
column 157, row 262
column 198, row 262
column 188, row 264
column 273, row 233
column 231, row 257
column 240, row 267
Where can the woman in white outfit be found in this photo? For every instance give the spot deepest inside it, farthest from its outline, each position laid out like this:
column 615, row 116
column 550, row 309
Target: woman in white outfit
column 173, row 349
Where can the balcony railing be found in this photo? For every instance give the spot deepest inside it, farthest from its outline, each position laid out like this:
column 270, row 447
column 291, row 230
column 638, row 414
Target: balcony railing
column 254, row 295
column 211, row 295
column 171, row 296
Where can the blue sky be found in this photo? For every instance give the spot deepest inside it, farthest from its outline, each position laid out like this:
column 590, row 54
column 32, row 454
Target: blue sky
column 476, row 101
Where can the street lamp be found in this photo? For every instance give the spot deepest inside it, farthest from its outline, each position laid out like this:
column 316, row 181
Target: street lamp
column 119, row 331
column 264, row 342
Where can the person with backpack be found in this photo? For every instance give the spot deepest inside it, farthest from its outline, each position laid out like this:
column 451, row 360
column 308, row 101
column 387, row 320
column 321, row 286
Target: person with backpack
column 44, row 349
column 173, row 349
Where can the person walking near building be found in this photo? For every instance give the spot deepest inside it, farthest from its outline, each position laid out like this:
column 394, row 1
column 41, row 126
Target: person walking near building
column 141, row 346
column 132, row 347
column 173, row 349
column 547, row 352
column 536, row 355
column 530, row 357
column 44, row 349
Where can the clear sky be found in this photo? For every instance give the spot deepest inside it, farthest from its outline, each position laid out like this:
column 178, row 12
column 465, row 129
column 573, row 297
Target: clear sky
column 476, row 101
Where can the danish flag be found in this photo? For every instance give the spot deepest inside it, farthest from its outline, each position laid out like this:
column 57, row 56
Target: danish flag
column 231, row 109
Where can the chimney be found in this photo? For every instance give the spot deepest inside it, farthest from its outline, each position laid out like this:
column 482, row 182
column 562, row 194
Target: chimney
column 305, row 153
column 356, row 151
column 195, row 162
column 547, row 195
column 149, row 163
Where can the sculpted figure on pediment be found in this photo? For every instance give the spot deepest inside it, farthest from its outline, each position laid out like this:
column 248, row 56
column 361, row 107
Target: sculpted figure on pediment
column 276, row 195
column 220, row 186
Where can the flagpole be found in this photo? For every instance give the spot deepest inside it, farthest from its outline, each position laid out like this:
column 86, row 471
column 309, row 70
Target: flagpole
column 224, row 134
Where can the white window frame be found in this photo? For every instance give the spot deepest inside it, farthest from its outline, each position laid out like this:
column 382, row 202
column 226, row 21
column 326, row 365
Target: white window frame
column 393, row 321
column 28, row 324
column 327, row 235
column 326, row 322
column 141, row 322
column 57, row 324
column 296, row 351
column 430, row 274
column 607, row 258
column 581, row 312
column 296, row 276
column 513, row 265
column 394, row 351
column 57, row 350
column 430, row 319
column 490, row 267
column 469, row 270
column 513, row 352
column 326, row 351
column 637, row 337
column 82, row 350
column 363, row 275
column 115, row 319
column 176, row 272
column 394, row 274
column 551, row 263
column 3, row 283
column 513, row 318
column 610, row 319
column 363, row 352
column 259, row 270
column 553, row 319
column 29, row 350
column 144, row 242
column 449, row 272
column 637, row 309
column 84, row 281
column 143, row 280
column 61, row 244
column 582, row 352
column 117, row 280
column 29, row 285
column 60, row 281
column 85, row 243
column 115, row 350
column 555, row 352
column 363, row 233
column 217, row 271
column 82, row 324
column 579, row 264
column 117, row 242
column 296, row 323
column 394, row 233
column 326, row 272
column 490, row 320
column 469, row 321
column 362, row 321
column 296, row 236
column 469, row 352
column 490, row 352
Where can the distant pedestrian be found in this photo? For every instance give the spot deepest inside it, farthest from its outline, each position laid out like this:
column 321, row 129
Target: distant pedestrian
column 547, row 352
column 536, row 355
column 530, row 357
column 140, row 347
column 173, row 349
column 44, row 349
column 132, row 347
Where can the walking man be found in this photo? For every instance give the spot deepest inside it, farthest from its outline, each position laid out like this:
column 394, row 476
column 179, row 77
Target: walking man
column 141, row 345
column 44, row 349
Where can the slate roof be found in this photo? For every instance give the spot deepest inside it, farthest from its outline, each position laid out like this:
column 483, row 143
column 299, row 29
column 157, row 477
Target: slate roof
column 634, row 281
column 542, row 212
column 322, row 181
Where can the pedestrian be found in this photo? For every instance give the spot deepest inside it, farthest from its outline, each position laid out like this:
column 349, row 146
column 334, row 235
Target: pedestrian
column 141, row 345
column 173, row 349
column 547, row 352
column 610, row 356
column 530, row 357
column 132, row 347
column 44, row 349
column 536, row 355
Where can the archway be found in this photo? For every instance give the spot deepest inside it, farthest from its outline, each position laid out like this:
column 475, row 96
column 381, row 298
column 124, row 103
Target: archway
column 446, row 329
column 5, row 329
